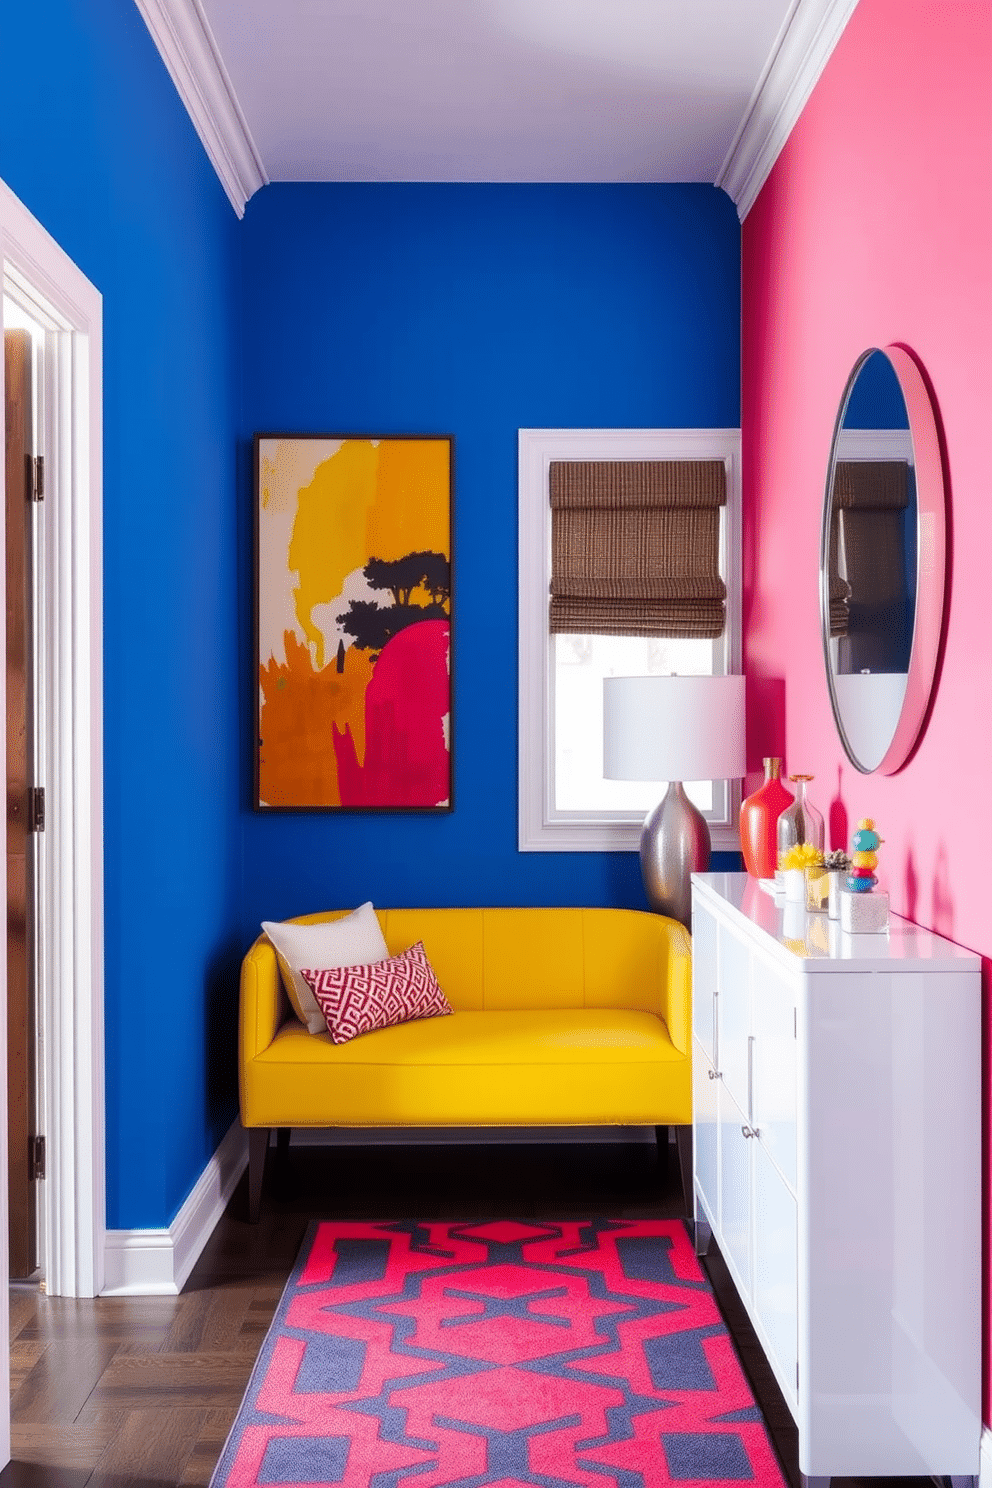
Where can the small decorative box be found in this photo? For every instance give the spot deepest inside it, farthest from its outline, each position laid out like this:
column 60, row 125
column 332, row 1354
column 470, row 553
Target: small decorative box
column 864, row 914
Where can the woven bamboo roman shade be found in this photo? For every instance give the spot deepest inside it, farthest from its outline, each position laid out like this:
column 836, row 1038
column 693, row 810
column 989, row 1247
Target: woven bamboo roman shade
column 635, row 547
column 871, row 485
column 869, row 498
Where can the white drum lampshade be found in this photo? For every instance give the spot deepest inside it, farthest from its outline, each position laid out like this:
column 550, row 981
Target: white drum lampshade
column 674, row 729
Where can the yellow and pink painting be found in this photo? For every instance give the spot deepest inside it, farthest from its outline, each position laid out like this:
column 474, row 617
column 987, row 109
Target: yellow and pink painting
column 353, row 610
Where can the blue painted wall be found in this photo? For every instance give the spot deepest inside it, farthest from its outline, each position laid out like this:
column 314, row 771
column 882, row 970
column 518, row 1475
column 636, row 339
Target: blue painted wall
column 476, row 311
column 97, row 145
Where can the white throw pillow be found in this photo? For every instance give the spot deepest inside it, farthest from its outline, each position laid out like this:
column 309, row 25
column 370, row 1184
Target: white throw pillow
column 354, row 940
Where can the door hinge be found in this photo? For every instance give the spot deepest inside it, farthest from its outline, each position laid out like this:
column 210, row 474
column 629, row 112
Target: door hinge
column 36, row 1158
column 36, row 477
column 36, row 808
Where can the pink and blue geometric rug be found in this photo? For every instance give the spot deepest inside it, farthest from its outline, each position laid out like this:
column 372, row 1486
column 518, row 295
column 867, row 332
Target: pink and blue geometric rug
column 498, row 1355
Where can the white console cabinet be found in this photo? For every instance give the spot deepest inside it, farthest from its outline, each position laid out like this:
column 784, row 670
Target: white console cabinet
column 837, row 1164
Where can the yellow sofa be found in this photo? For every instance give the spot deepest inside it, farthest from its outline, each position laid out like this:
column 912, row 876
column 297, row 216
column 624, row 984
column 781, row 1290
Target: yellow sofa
column 562, row 1017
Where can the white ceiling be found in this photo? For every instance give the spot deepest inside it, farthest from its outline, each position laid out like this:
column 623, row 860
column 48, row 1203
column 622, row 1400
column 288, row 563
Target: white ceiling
column 494, row 90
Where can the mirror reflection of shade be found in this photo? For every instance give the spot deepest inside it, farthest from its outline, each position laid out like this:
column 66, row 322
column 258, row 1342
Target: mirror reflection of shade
column 870, row 559
column 877, row 521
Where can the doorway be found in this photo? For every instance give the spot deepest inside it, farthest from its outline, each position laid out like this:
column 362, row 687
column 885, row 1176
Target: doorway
column 24, row 387
column 64, row 311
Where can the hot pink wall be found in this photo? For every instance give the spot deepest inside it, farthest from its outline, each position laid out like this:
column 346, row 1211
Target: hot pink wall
column 875, row 226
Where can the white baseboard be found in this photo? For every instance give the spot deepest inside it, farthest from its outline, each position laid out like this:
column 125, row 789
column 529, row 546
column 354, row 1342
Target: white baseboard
column 150, row 1263
column 985, row 1460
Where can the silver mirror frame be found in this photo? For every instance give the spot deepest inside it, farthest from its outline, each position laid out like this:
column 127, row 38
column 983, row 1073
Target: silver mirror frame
column 931, row 549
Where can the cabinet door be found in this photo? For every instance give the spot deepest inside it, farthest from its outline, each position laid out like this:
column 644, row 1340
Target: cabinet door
column 704, row 979
column 733, row 978
column 704, row 1127
column 735, row 1189
column 773, row 1065
column 775, row 1266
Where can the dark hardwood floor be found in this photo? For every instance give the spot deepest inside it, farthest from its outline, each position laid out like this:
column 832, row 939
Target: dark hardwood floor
column 141, row 1393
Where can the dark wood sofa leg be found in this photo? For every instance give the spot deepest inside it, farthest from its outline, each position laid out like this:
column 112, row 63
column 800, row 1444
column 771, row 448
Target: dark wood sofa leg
column 258, row 1146
column 280, row 1179
column 683, row 1136
column 661, row 1135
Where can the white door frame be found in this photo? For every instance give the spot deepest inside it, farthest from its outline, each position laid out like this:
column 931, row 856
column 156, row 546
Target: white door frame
column 71, row 989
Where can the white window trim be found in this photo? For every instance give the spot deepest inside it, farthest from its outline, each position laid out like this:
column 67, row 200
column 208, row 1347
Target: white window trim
column 72, row 987
column 541, row 827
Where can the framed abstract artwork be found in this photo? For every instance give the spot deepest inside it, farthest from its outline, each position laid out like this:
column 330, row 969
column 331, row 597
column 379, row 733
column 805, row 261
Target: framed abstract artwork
column 353, row 622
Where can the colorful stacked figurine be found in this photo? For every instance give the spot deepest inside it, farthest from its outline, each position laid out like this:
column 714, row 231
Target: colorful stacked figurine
column 864, row 857
column 863, row 912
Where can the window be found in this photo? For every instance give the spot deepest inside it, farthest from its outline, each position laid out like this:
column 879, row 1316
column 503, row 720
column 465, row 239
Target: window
column 565, row 804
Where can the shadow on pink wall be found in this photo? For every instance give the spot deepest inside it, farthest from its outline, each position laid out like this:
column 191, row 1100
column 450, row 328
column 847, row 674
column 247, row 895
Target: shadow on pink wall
column 765, row 726
column 941, row 896
column 942, row 908
column 838, row 831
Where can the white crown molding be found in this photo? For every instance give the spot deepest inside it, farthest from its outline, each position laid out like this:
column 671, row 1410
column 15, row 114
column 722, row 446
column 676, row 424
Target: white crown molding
column 185, row 42
column 155, row 1263
column 808, row 35
column 802, row 49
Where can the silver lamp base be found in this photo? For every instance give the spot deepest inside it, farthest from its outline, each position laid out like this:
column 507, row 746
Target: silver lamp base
column 675, row 842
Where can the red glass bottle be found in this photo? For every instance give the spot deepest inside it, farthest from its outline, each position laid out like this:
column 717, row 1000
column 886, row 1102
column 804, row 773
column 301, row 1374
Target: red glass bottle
column 759, row 818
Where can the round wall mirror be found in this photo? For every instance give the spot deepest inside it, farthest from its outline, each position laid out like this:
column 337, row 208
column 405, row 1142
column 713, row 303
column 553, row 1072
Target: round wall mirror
column 882, row 560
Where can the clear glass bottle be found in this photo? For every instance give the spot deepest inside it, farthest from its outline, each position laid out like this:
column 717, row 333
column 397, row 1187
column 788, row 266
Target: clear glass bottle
column 800, row 822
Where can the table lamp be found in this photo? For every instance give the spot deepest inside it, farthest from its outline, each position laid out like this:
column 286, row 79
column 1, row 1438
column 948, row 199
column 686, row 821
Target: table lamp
column 674, row 729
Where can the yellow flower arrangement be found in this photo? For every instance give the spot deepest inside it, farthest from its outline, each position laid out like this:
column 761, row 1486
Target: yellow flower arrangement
column 803, row 855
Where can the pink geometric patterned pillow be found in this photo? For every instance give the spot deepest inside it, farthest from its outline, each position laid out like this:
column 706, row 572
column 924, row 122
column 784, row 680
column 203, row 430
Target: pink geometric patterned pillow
column 358, row 999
